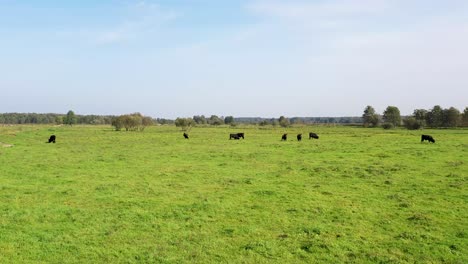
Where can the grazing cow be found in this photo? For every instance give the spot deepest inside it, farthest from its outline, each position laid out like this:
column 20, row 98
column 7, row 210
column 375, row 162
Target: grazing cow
column 234, row 136
column 239, row 135
column 428, row 138
column 186, row 136
column 299, row 137
column 313, row 135
column 284, row 137
column 51, row 139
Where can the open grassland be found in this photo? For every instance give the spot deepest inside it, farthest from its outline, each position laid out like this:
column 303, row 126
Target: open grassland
column 355, row 195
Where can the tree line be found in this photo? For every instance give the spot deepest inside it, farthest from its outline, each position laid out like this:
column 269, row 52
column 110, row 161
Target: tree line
column 436, row 117
column 50, row 118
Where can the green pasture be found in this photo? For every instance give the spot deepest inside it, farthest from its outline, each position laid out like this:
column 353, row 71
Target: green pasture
column 355, row 195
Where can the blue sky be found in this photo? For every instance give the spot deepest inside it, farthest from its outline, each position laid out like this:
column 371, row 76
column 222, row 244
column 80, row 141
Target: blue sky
column 244, row 58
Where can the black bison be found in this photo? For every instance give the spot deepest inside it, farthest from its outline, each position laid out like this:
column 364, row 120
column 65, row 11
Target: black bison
column 236, row 136
column 51, row 139
column 313, row 135
column 428, row 138
column 299, row 137
column 186, row 136
column 284, row 137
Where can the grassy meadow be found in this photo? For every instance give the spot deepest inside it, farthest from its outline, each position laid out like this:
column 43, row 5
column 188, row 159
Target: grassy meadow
column 355, row 195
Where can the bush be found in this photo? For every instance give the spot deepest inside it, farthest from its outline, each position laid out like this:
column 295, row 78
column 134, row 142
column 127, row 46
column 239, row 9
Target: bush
column 412, row 124
column 387, row 126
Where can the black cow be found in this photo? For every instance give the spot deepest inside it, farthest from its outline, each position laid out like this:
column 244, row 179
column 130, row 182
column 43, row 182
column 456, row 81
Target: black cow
column 299, row 137
column 428, row 138
column 234, row 136
column 186, row 136
column 313, row 135
column 51, row 139
column 284, row 137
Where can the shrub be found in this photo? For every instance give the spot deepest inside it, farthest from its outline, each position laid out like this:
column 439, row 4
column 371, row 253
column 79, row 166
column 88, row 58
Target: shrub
column 412, row 124
column 387, row 126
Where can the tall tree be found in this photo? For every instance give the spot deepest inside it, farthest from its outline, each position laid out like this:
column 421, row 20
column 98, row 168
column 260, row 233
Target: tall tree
column 452, row 117
column 229, row 120
column 392, row 115
column 370, row 117
column 420, row 114
column 465, row 117
column 184, row 123
column 70, row 118
column 215, row 120
column 199, row 120
column 283, row 121
column 435, row 117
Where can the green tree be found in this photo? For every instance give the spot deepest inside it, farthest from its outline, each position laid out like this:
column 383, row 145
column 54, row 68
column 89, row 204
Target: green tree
column 184, row 123
column 412, row 123
column 370, row 117
column 229, row 120
column 215, row 120
column 392, row 115
column 200, row 120
column 117, row 123
column 452, row 117
column 70, row 118
column 435, row 117
column 283, row 121
column 465, row 117
column 420, row 115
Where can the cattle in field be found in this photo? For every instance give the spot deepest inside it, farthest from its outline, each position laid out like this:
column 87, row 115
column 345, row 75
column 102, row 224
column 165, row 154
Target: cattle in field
column 236, row 136
column 313, row 135
column 51, row 139
column 299, row 137
column 428, row 138
column 284, row 137
column 186, row 136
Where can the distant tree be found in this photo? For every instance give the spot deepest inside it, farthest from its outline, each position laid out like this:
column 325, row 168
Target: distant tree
column 451, row 117
column 117, row 123
column 465, row 117
column 283, row 121
column 229, row 120
column 370, row 117
column 184, row 123
column 215, row 120
column 200, row 120
column 263, row 123
column 387, row 125
column 392, row 115
column 146, row 121
column 412, row 123
column 70, row 118
column 435, row 117
column 59, row 120
column 131, row 122
column 296, row 121
column 420, row 115
column 164, row 121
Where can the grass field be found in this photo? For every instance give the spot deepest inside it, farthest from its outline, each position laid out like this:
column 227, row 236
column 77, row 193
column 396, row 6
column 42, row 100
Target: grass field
column 355, row 195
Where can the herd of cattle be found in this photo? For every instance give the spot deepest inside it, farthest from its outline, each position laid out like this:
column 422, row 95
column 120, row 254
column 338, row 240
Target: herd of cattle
column 237, row 136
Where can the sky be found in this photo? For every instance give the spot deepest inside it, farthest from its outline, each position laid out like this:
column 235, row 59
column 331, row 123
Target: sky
column 246, row 58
